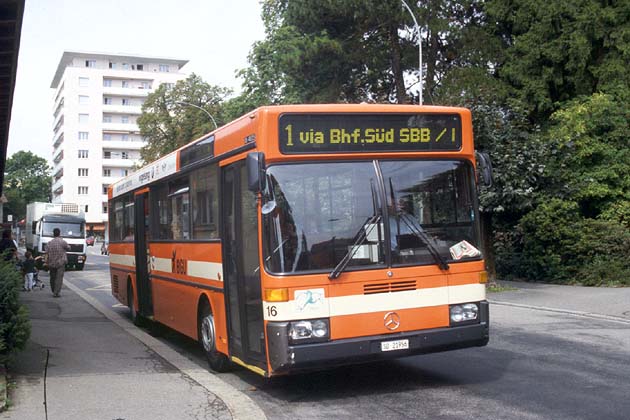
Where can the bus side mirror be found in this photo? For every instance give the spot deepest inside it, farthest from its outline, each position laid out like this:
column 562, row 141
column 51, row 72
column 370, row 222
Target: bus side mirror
column 485, row 167
column 256, row 172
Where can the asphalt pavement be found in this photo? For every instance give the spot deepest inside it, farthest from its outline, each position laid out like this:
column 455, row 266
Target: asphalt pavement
column 84, row 361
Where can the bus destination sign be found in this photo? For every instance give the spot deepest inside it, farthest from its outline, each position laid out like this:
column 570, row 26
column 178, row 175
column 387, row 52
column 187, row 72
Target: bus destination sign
column 340, row 133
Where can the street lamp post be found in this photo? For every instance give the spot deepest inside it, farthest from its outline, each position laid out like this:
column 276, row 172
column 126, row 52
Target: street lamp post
column 419, row 48
column 198, row 107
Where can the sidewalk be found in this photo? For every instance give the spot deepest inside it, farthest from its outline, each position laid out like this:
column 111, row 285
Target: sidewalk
column 596, row 301
column 78, row 364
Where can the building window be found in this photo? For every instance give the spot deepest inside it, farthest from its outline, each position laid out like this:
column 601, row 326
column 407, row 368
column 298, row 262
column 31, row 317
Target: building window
column 83, row 171
column 86, row 208
column 106, row 173
column 125, row 84
column 146, row 85
column 112, row 65
column 107, row 118
column 126, row 102
column 125, row 137
column 107, row 154
column 169, row 85
column 107, row 82
column 124, row 155
column 83, row 154
column 163, row 68
column 124, row 119
column 107, row 137
column 125, row 66
column 105, row 186
column 83, row 190
column 90, row 63
column 104, row 208
column 83, row 99
column 84, row 118
column 107, row 101
column 84, row 81
column 83, row 135
column 124, row 172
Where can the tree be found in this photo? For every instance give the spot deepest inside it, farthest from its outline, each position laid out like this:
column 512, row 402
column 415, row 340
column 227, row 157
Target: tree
column 556, row 51
column 171, row 117
column 27, row 180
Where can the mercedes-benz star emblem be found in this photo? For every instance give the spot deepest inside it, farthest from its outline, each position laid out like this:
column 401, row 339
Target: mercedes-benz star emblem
column 391, row 321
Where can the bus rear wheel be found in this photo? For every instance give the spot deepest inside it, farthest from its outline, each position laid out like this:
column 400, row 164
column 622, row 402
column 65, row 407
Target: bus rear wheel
column 207, row 338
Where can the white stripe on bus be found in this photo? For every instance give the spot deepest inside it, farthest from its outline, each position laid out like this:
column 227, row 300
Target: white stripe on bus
column 121, row 259
column 324, row 307
column 201, row 269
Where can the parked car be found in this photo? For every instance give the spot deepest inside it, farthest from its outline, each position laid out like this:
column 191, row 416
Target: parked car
column 89, row 241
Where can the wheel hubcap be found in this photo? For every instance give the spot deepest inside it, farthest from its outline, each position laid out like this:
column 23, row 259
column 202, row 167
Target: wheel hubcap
column 207, row 333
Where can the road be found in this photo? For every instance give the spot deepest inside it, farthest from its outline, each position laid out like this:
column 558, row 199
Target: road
column 539, row 365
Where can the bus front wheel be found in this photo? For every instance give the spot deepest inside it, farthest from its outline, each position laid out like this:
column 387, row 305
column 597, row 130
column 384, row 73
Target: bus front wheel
column 133, row 314
column 207, row 338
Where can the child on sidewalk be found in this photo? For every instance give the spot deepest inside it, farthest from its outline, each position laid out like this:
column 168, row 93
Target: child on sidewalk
column 29, row 270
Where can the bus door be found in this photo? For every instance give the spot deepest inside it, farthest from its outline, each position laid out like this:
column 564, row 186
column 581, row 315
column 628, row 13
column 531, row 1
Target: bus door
column 141, row 222
column 241, row 269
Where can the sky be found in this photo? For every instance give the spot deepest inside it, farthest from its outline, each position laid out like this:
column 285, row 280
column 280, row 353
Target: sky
column 214, row 35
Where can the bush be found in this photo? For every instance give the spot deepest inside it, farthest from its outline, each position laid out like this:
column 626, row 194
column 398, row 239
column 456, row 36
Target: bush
column 15, row 327
column 555, row 243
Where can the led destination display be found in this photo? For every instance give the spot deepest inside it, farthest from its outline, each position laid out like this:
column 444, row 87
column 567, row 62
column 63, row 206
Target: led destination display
column 338, row 133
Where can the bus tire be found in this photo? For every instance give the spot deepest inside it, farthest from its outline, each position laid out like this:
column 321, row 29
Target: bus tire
column 133, row 314
column 207, row 339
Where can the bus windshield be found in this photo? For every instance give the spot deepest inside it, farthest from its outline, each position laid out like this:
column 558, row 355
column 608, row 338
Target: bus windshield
column 416, row 212
column 68, row 230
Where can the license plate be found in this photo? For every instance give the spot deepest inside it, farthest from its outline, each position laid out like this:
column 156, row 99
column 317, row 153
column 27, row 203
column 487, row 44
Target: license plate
column 394, row 345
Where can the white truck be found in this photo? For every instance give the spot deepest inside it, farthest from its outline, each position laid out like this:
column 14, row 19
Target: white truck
column 43, row 218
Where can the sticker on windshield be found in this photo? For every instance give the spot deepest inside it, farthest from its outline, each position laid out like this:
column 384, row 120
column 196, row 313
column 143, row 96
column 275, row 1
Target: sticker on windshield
column 309, row 300
column 464, row 249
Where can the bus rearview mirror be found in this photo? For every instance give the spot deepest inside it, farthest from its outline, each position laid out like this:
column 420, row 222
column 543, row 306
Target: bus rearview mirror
column 256, row 171
column 485, row 167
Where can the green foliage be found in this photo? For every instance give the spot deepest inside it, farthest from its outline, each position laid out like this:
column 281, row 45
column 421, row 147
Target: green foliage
column 590, row 162
column 27, row 179
column 167, row 123
column 554, row 242
column 558, row 50
column 15, row 327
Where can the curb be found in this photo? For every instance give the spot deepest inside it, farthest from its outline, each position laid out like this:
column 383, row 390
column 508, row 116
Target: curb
column 564, row 311
column 3, row 389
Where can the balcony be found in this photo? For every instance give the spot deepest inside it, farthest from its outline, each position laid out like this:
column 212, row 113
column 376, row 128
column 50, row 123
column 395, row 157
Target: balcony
column 118, row 163
column 58, row 184
column 124, row 145
column 122, row 109
column 120, row 127
column 120, row 91
column 58, row 141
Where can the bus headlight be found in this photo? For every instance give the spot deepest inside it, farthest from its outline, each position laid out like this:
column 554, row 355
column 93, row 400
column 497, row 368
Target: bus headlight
column 464, row 313
column 309, row 331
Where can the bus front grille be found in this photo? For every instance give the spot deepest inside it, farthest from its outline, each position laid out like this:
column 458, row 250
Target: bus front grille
column 398, row 286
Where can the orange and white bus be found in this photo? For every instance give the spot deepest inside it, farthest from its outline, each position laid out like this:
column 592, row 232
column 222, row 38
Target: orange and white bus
column 307, row 236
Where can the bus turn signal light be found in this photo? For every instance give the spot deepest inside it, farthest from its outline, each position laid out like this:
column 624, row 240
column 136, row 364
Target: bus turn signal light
column 277, row 295
column 483, row 277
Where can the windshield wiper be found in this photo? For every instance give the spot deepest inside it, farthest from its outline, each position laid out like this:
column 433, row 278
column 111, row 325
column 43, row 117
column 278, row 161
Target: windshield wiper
column 420, row 233
column 360, row 237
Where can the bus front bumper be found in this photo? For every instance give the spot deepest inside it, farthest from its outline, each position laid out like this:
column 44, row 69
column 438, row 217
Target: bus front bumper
column 285, row 358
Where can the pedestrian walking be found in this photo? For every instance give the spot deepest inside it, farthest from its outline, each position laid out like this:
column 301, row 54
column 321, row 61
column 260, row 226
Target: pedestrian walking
column 29, row 270
column 56, row 261
column 8, row 248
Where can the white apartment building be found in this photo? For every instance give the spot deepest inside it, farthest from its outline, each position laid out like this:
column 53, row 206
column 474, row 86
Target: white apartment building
column 96, row 139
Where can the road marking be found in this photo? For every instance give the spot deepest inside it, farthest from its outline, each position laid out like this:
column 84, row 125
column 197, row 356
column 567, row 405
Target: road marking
column 101, row 288
column 239, row 404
